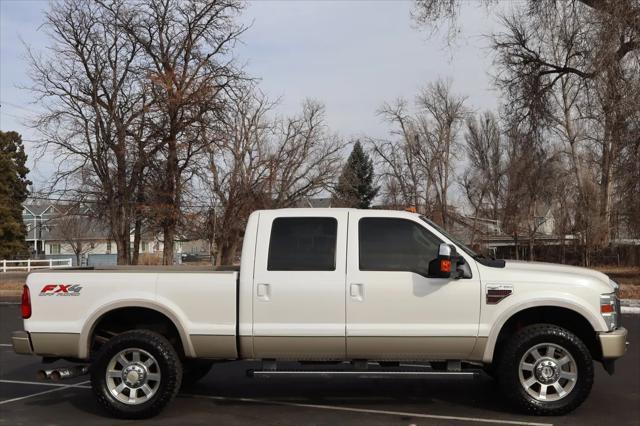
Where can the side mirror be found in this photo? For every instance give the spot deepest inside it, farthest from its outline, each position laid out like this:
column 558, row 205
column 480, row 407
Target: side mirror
column 445, row 265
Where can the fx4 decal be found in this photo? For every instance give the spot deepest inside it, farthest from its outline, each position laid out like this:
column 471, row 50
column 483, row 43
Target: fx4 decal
column 61, row 290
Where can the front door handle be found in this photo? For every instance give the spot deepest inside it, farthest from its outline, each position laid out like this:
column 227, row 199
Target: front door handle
column 263, row 292
column 356, row 291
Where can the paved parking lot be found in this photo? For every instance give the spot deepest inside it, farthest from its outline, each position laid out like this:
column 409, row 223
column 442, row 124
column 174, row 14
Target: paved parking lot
column 228, row 397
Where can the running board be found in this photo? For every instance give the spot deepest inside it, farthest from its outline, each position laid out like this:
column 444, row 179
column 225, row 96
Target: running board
column 369, row 374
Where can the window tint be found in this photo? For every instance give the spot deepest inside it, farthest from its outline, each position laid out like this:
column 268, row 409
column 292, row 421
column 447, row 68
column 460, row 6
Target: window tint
column 395, row 245
column 303, row 244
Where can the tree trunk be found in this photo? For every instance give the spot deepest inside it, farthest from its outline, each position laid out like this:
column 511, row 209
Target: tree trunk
column 121, row 235
column 137, row 231
column 137, row 235
column 230, row 253
column 172, row 196
column 122, row 245
column 606, row 187
column 169, row 237
column 212, row 252
column 227, row 249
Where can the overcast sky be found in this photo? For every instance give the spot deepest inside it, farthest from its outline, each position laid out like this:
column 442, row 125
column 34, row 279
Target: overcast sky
column 350, row 55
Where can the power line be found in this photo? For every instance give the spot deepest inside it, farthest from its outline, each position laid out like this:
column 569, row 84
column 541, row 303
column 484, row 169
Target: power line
column 90, row 201
column 13, row 116
column 18, row 106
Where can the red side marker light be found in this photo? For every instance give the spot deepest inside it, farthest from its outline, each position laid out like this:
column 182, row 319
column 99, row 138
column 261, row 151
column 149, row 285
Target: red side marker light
column 445, row 265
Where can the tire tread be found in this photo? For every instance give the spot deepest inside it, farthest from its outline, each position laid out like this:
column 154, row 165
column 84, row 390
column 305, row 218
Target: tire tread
column 171, row 379
column 510, row 359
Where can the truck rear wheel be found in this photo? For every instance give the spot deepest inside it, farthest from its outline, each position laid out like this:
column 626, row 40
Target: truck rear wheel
column 545, row 370
column 136, row 374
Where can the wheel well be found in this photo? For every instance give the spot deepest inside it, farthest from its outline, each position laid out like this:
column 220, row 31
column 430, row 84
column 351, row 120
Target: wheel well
column 120, row 320
column 562, row 317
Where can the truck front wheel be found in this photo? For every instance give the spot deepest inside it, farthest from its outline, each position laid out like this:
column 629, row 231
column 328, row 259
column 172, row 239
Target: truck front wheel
column 545, row 369
column 136, row 374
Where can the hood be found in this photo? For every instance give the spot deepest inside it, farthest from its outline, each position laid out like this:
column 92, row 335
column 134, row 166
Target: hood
column 551, row 273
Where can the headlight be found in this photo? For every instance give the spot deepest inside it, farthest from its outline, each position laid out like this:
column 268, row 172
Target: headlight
column 610, row 310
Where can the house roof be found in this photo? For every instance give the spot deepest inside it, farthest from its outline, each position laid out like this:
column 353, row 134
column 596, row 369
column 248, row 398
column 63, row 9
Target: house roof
column 37, row 209
column 86, row 230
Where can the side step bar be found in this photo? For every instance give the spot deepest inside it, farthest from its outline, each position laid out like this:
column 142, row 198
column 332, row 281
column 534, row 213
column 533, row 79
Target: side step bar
column 369, row 374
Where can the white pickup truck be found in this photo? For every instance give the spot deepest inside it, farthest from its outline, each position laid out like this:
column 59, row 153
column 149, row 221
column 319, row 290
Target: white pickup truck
column 344, row 292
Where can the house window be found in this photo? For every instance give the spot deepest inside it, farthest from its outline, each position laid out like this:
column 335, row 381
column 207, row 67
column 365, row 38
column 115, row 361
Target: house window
column 54, row 248
column 108, row 247
column 144, row 246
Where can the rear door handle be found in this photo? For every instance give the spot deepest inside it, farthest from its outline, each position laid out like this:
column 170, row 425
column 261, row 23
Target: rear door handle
column 263, row 292
column 356, row 291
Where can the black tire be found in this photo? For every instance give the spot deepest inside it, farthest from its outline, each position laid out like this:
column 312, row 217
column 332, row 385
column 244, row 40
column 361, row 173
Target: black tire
column 508, row 371
column 490, row 371
column 193, row 370
column 168, row 363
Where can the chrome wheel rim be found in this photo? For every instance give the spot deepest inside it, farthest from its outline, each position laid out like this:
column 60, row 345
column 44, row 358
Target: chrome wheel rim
column 133, row 376
column 548, row 372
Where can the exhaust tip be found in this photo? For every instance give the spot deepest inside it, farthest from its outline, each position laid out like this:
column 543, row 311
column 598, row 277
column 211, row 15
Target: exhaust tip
column 42, row 375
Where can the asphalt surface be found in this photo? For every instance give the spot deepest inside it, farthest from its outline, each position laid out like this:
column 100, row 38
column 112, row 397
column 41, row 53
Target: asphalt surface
column 227, row 397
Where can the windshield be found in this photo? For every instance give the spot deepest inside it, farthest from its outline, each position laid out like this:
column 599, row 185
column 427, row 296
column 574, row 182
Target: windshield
column 451, row 237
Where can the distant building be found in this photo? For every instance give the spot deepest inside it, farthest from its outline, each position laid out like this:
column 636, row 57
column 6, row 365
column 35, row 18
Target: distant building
column 98, row 248
column 36, row 218
column 47, row 240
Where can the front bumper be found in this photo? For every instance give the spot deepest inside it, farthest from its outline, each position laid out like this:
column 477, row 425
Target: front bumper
column 613, row 343
column 21, row 342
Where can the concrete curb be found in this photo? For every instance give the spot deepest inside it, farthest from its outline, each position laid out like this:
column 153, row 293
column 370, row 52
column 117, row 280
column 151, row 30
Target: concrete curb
column 10, row 295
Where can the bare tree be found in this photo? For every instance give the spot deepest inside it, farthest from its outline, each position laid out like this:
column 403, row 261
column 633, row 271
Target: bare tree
column 258, row 161
column 483, row 180
column 186, row 49
column 237, row 172
column 446, row 111
column 583, row 53
column 75, row 227
column 433, row 14
column 419, row 163
column 94, row 111
column 407, row 160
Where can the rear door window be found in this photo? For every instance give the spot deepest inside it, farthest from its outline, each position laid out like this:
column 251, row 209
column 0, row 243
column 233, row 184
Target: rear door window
column 303, row 244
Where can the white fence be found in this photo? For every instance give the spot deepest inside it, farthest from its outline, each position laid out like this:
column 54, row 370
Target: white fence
column 31, row 264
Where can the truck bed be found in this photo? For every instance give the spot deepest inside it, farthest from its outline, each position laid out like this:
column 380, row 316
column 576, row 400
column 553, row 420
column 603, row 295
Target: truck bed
column 66, row 305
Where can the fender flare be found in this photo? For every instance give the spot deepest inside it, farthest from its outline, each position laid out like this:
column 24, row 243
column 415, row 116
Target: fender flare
column 94, row 317
column 596, row 323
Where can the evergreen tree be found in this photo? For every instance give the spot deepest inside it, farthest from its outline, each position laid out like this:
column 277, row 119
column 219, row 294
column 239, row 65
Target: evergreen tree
column 13, row 192
column 355, row 186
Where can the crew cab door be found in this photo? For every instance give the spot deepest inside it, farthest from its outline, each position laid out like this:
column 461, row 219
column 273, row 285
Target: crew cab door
column 394, row 311
column 299, row 285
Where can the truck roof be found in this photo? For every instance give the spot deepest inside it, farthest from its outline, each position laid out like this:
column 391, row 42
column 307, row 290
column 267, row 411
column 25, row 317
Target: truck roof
column 324, row 210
